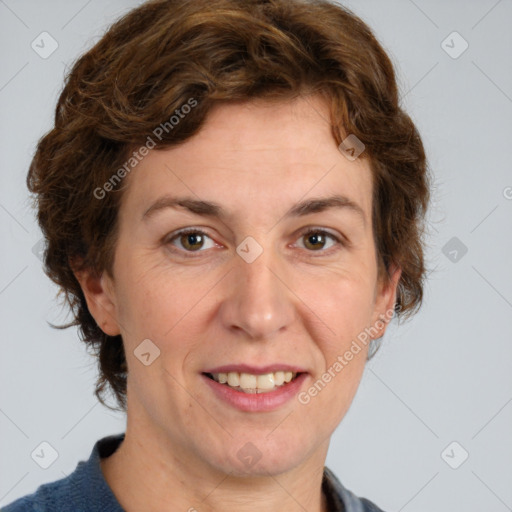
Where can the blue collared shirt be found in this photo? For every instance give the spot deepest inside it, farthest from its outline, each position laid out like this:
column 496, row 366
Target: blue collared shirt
column 86, row 490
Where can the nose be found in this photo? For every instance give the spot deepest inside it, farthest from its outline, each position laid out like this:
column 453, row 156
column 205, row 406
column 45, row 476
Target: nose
column 258, row 302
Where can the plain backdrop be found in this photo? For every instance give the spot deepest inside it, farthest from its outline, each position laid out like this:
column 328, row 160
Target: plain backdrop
column 431, row 425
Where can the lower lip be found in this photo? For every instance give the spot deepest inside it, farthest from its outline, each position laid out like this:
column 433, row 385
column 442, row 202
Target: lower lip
column 257, row 402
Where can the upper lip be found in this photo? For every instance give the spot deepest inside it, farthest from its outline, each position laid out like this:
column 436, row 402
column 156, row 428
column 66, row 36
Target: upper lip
column 256, row 370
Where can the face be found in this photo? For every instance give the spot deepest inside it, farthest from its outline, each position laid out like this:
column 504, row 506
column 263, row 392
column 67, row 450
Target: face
column 256, row 286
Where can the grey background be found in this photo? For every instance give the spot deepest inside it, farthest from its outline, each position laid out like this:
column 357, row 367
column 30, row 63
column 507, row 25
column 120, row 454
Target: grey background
column 442, row 377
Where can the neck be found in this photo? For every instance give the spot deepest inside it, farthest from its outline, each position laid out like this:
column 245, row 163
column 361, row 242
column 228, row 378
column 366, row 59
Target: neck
column 147, row 472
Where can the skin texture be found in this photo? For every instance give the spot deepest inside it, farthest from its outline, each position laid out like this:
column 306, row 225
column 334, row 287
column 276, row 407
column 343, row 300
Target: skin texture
column 300, row 302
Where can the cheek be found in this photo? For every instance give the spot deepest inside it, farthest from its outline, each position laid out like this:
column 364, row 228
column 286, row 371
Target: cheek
column 138, row 308
column 344, row 304
column 163, row 306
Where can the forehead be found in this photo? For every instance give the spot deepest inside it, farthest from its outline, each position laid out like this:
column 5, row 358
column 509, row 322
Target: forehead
column 254, row 154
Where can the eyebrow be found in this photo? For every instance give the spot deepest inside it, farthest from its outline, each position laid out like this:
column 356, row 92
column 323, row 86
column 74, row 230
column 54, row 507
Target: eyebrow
column 215, row 210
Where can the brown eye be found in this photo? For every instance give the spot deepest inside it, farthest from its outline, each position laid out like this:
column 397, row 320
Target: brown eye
column 190, row 240
column 317, row 240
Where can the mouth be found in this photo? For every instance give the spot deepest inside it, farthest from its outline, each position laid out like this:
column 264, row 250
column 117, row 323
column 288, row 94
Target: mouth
column 251, row 383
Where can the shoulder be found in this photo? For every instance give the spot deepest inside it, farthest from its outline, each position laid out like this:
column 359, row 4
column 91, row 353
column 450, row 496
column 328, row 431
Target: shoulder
column 47, row 497
column 341, row 499
column 369, row 506
column 84, row 490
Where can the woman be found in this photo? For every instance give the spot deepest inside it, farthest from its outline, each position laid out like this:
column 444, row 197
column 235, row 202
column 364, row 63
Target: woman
column 233, row 204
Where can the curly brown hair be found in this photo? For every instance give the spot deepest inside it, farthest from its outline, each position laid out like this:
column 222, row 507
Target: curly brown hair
column 151, row 62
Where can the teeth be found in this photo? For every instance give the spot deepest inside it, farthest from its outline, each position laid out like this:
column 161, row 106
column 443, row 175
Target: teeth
column 233, row 379
column 279, row 378
column 265, row 381
column 250, row 383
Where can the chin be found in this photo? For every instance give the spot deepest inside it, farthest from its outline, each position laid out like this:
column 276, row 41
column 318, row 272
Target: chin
column 257, row 455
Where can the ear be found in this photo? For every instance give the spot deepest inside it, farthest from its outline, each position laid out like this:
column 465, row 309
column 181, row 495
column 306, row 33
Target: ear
column 100, row 297
column 385, row 299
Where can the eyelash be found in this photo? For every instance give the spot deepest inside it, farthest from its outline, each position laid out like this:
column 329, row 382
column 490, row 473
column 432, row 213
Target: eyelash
column 308, row 231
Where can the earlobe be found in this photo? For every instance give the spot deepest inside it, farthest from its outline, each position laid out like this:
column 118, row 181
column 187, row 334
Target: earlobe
column 99, row 296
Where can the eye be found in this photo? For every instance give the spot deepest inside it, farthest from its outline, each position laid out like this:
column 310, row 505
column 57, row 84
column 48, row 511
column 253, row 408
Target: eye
column 191, row 240
column 316, row 240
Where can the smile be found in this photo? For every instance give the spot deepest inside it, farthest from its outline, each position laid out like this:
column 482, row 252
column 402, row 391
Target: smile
column 251, row 383
column 245, row 394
